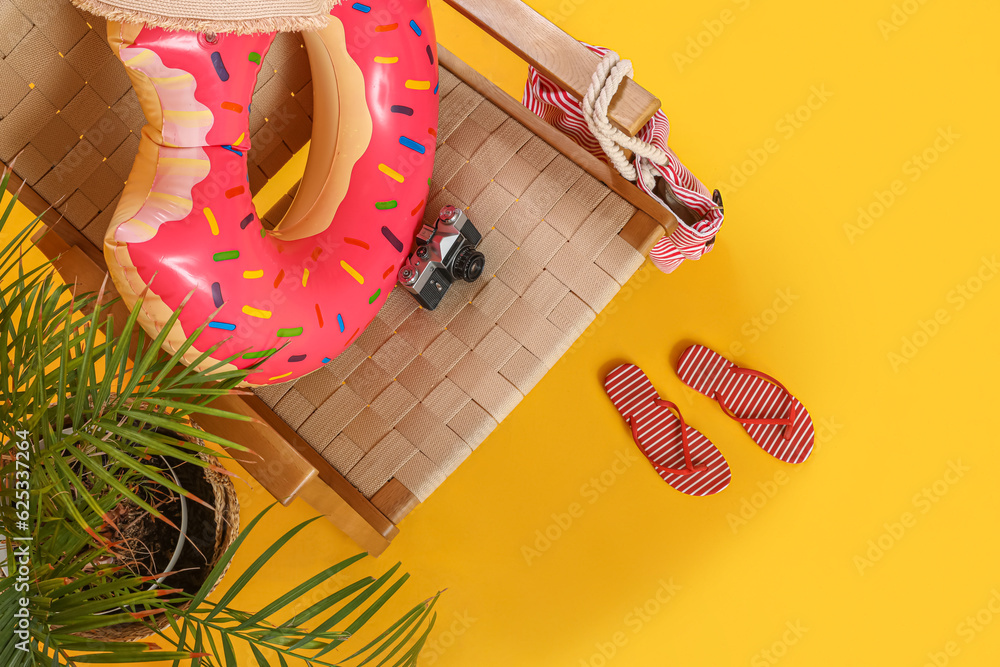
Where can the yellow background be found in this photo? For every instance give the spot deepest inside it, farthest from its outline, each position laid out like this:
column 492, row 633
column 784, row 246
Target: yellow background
column 792, row 559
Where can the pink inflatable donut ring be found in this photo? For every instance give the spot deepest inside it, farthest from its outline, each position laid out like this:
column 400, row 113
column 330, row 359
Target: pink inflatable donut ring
column 289, row 300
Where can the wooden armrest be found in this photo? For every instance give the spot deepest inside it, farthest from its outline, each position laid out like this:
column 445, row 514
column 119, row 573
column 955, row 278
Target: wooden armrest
column 77, row 269
column 51, row 244
column 289, row 468
column 281, row 470
column 642, row 232
column 638, row 233
column 558, row 56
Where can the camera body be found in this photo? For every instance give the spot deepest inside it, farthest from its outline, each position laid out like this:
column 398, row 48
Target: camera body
column 445, row 252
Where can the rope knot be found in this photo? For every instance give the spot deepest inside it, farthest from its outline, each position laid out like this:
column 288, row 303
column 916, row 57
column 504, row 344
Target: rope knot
column 608, row 78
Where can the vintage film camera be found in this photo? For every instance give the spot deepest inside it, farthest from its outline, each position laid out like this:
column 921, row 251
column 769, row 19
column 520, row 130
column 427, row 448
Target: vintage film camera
column 445, row 252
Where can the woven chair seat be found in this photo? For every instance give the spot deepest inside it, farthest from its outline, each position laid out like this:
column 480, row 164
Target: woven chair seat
column 419, row 390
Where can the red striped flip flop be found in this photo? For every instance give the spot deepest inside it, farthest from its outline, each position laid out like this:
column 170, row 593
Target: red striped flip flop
column 775, row 419
column 685, row 458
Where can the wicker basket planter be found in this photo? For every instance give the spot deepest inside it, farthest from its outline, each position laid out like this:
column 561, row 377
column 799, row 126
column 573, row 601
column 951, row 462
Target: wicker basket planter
column 210, row 531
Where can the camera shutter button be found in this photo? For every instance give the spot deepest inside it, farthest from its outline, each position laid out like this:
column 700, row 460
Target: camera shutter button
column 407, row 276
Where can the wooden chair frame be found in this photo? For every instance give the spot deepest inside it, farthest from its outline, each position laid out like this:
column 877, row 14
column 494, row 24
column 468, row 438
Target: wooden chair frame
column 283, row 462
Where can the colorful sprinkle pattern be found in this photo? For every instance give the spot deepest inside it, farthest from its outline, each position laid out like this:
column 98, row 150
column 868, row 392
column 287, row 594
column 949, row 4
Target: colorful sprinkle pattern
column 199, row 242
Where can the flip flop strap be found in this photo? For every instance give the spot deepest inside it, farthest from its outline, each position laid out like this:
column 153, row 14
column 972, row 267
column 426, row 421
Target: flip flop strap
column 689, row 467
column 787, row 422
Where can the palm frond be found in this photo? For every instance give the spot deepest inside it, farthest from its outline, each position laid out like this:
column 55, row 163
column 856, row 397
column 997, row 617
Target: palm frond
column 98, row 406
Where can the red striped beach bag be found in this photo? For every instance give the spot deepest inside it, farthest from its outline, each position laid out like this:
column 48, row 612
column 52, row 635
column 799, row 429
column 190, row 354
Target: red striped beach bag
column 654, row 167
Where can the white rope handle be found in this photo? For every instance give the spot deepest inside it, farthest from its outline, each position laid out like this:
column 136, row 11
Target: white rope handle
column 603, row 86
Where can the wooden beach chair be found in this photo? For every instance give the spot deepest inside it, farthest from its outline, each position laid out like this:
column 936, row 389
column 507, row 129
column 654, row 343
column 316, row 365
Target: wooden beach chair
column 370, row 436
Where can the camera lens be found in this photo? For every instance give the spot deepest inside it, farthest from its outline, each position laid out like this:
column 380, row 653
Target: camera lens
column 469, row 264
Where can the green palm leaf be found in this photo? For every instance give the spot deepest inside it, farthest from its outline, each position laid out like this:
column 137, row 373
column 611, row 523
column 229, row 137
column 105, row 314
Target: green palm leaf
column 122, row 396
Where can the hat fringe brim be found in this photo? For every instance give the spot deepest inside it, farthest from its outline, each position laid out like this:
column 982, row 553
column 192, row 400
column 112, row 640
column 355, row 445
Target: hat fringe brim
column 240, row 26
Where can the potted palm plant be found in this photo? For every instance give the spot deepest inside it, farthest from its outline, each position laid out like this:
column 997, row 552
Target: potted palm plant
column 118, row 521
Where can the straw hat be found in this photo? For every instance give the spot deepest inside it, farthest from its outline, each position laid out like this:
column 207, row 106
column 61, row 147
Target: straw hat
column 239, row 16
